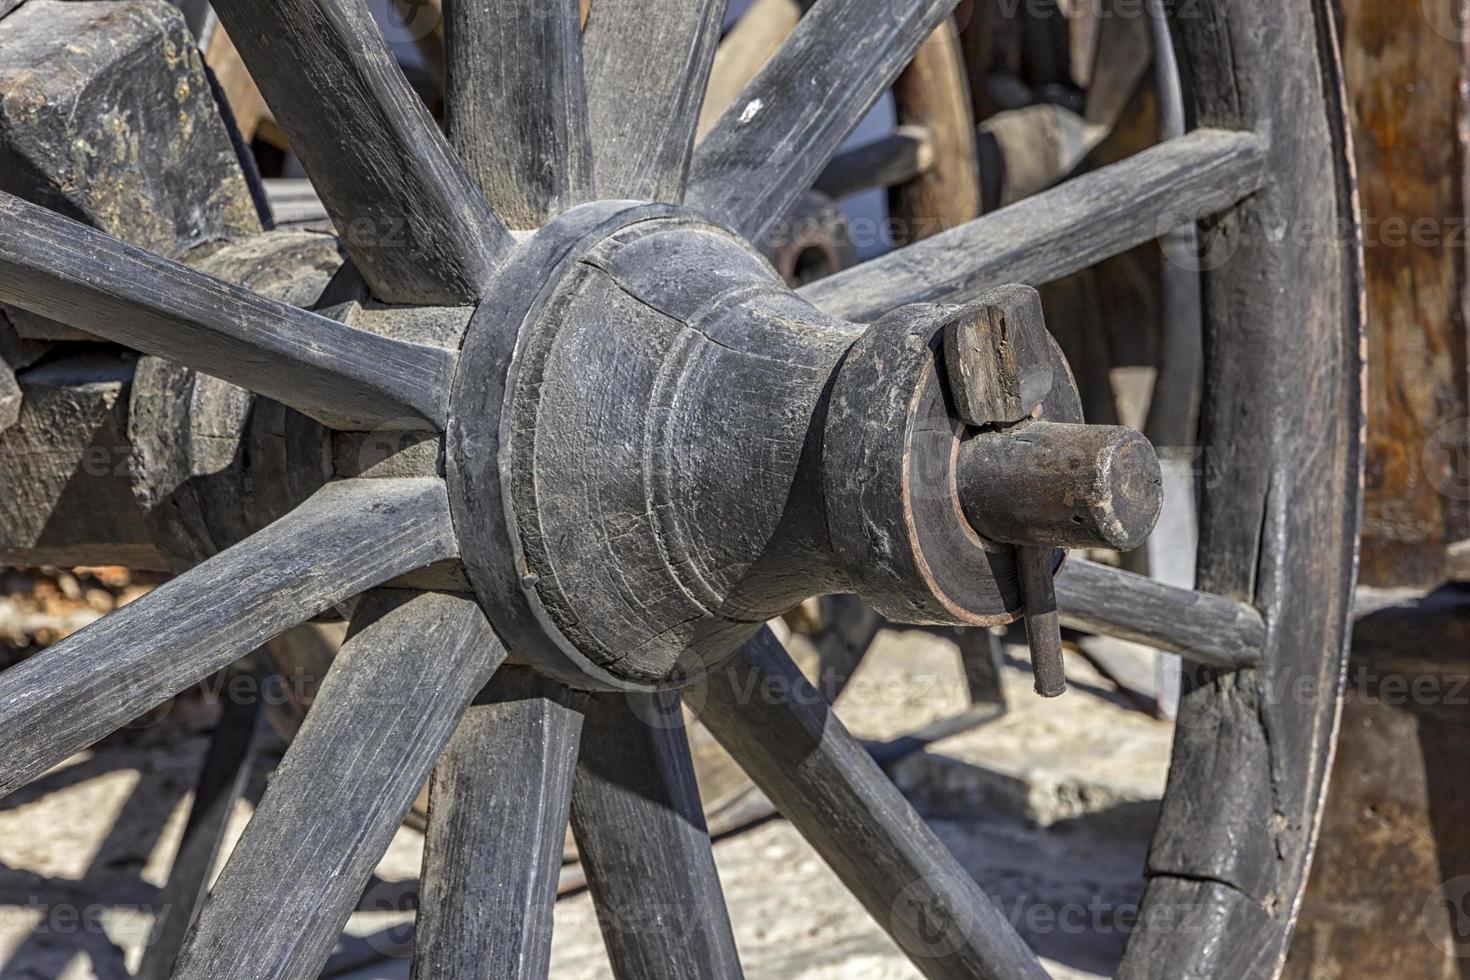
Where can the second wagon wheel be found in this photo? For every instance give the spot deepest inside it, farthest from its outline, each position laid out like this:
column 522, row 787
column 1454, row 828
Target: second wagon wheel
column 623, row 444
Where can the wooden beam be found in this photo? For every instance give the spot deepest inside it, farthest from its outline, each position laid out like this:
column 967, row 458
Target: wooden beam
column 1208, row 629
column 826, row 784
column 744, row 51
column 497, row 827
column 896, row 158
column 641, row 836
column 515, row 104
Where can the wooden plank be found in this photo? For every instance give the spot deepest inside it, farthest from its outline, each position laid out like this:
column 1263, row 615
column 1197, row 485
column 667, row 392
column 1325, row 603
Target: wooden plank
column 1064, row 230
column 341, row 376
column 773, row 141
column 783, row 734
column 642, row 839
column 1208, row 629
column 348, row 537
column 386, row 709
column 648, row 65
column 1386, row 896
column 409, row 214
column 515, row 104
column 497, row 826
column 1406, row 79
column 221, row 781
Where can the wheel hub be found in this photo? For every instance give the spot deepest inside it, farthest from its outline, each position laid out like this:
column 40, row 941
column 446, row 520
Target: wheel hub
column 655, row 446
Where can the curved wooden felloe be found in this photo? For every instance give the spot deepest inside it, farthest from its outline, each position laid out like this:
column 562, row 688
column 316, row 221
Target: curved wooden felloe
column 1235, row 853
column 933, row 96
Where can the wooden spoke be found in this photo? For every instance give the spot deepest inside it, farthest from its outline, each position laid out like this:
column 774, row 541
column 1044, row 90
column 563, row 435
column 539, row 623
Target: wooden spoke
column 781, row 731
column 849, row 627
column 386, row 709
column 347, row 537
column 773, row 141
column 341, row 376
column 648, row 63
column 221, row 781
column 1208, row 629
column 897, row 158
column 642, row 839
column 749, row 44
column 497, row 826
column 408, row 213
column 516, row 106
column 1061, row 231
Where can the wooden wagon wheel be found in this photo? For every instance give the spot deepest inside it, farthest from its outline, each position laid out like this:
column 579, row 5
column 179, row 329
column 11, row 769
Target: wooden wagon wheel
column 619, row 444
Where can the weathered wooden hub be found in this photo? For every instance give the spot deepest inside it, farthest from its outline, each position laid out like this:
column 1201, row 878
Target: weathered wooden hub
column 655, row 446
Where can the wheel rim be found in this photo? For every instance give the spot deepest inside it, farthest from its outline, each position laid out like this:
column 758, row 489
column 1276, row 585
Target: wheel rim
column 420, row 233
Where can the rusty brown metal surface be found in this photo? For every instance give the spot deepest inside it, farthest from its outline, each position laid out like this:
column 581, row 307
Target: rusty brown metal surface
column 1406, row 72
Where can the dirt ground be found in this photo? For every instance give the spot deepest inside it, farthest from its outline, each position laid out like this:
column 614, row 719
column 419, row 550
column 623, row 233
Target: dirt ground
column 1050, row 807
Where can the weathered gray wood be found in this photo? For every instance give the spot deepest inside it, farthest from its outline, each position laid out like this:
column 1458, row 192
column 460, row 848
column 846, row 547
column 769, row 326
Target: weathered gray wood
column 648, row 64
column 1279, row 506
column 65, row 469
column 642, row 839
column 106, row 115
column 893, row 159
column 515, row 104
column 781, row 731
column 10, row 396
column 221, row 780
column 408, row 213
column 778, row 134
column 343, row 377
column 998, row 360
column 755, row 36
column 497, row 826
column 1063, row 230
column 348, row 537
column 1208, row 629
column 386, row 709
